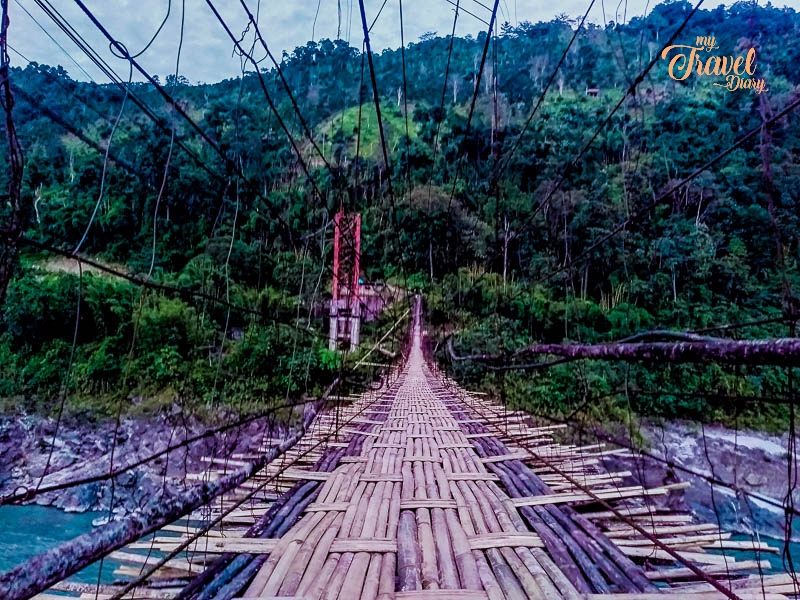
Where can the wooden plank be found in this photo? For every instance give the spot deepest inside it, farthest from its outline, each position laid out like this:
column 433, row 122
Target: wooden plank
column 643, row 511
column 504, row 457
column 176, row 564
column 442, row 595
column 300, row 475
column 238, row 545
column 625, row 531
column 699, row 540
column 330, row 506
column 378, row 477
column 454, row 446
column 427, row 503
column 686, row 573
column 74, row 587
column 743, row 546
column 364, row 545
column 614, row 494
column 503, row 540
column 705, row 558
column 471, row 477
column 227, row 462
column 164, row 573
column 357, row 432
column 345, row 460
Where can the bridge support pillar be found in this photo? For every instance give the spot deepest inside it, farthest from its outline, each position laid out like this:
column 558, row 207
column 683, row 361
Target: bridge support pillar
column 345, row 307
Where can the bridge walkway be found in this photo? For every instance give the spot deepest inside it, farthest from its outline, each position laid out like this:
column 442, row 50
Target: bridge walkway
column 437, row 495
column 426, row 491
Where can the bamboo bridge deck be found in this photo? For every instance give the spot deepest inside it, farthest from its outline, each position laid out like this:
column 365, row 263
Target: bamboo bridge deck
column 427, row 492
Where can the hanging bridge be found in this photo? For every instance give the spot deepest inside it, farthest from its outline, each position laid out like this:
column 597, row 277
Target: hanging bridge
column 423, row 490
column 418, row 488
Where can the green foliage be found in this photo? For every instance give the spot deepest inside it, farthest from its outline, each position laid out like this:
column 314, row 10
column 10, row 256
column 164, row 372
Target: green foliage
column 484, row 316
column 493, row 258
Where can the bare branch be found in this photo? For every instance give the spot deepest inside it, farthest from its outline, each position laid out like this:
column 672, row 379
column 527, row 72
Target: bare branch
column 508, row 367
column 696, row 349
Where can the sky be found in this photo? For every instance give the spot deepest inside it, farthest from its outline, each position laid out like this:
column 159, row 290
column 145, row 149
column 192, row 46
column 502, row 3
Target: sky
column 206, row 52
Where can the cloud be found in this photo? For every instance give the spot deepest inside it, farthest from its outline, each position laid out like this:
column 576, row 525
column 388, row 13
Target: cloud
column 206, row 52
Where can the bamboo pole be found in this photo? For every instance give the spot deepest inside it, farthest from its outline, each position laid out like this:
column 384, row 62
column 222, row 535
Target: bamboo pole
column 408, row 553
column 43, row 570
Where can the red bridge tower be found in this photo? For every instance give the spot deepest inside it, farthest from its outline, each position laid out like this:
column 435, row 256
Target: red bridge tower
column 345, row 310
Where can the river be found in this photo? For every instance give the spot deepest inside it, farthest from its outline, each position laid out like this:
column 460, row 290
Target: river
column 28, row 530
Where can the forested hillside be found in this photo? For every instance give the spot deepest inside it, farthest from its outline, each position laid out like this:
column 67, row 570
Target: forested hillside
column 510, row 240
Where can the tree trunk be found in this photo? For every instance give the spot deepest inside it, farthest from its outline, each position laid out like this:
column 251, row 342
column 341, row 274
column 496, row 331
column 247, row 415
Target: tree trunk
column 13, row 228
column 782, row 352
column 474, row 75
column 507, row 237
column 430, row 256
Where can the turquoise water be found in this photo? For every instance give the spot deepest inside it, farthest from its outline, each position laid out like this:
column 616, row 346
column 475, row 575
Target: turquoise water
column 29, row 530
column 26, row 531
column 776, row 560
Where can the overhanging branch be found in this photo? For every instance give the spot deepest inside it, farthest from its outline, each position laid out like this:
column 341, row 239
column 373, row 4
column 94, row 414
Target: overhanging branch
column 783, row 352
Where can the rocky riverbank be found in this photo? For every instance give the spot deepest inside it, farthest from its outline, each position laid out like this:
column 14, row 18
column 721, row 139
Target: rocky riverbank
column 79, row 451
column 753, row 462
